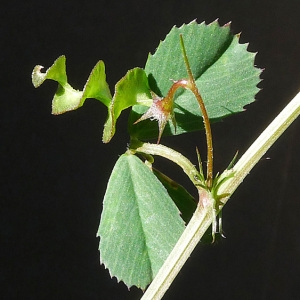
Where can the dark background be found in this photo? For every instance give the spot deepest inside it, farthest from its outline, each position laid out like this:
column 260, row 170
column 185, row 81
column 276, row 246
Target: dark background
column 55, row 168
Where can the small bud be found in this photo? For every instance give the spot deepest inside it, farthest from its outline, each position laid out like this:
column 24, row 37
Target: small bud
column 161, row 110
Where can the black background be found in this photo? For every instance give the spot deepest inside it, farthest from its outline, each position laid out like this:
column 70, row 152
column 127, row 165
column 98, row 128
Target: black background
column 55, row 168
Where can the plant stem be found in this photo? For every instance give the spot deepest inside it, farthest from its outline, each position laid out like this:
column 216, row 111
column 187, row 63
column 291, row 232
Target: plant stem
column 187, row 242
column 260, row 146
column 193, row 87
column 202, row 217
column 176, row 157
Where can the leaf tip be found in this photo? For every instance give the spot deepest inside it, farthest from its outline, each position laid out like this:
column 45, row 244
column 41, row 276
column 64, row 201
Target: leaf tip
column 228, row 24
column 217, row 22
column 37, row 76
column 193, row 22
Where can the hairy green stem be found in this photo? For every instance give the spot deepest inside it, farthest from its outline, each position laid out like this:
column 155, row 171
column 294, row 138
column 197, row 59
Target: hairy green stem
column 196, row 228
column 166, row 152
column 193, row 87
column 203, row 217
column 267, row 138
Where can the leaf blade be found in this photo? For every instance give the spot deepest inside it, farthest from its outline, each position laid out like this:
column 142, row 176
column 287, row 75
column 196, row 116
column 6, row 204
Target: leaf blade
column 130, row 90
column 213, row 52
column 181, row 197
column 66, row 97
column 138, row 233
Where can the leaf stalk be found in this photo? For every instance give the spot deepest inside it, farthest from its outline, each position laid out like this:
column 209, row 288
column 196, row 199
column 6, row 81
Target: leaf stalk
column 166, row 152
column 193, row 87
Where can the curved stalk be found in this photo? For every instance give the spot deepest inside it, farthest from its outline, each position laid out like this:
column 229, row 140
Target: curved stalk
column 202, row 217
column 166, row 152
column 193, row 87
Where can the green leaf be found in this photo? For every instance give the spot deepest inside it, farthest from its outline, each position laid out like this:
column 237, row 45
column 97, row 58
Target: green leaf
column 56, row 72
column 132, row 89
column 139, row 225
column 224, row 72
column 67, row 98
column 181, row 197
column 96, row 86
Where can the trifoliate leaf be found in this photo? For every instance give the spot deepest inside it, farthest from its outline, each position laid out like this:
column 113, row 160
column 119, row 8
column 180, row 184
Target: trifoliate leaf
column 223, row 69
column 67, row 98
column 140, row 223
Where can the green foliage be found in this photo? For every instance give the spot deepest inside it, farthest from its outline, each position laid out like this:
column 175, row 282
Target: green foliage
column 224, row 72
column 140, row 224
column 132, row 89
column 66, row 98
column 181, row 197
column 223, row 69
